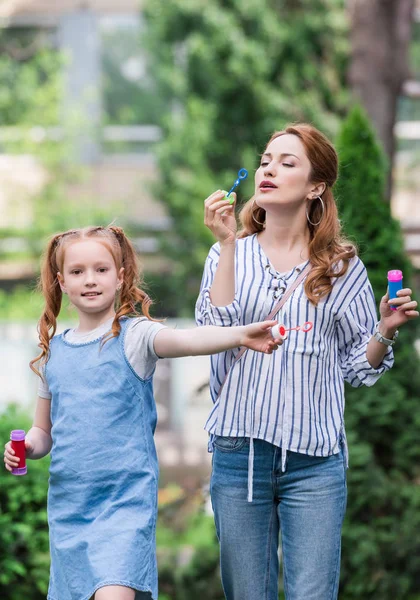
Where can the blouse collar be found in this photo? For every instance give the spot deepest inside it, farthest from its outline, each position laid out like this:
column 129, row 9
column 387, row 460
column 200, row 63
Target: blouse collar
column 266, row 264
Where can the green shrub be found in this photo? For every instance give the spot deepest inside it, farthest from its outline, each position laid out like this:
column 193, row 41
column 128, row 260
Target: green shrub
column 381, row 550
column 24, row 551
column 188, row 552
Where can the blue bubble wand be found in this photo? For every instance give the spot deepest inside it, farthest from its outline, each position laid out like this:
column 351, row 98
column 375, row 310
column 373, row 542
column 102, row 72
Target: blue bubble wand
column 242, row 174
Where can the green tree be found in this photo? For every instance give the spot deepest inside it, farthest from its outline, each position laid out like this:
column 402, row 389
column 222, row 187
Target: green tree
column 381, row 553
column 233, row 72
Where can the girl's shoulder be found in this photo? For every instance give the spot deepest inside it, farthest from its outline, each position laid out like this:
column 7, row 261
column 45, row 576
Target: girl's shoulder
column 135, row 321
column 129, row 324
column 139, row 345
column 141, row 327
column 54, row 346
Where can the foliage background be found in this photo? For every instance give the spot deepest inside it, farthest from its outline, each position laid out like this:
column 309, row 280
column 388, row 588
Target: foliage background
column 233, row 72
column 381, row 557
column 226, row 73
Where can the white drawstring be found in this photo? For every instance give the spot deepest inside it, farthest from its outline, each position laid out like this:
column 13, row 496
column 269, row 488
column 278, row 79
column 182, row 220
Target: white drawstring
column 251, row 448
column 251, row 441
column 285, row 423
column 284, row 435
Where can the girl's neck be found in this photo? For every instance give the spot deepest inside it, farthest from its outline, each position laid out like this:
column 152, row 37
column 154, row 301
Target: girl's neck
column 89, row 322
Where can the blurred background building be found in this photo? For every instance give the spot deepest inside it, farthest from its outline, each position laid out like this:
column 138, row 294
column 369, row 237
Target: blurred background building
column 102, row 62
column 107, row 86
column 105, row 89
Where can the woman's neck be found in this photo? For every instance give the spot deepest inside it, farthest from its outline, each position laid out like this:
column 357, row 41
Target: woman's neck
column 293, row 237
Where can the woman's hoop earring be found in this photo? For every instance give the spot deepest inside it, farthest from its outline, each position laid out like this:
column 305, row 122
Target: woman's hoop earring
column 252, row 214
column 322, row 216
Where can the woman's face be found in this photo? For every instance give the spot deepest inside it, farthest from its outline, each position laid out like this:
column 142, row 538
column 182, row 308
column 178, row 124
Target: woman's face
column 283, row 175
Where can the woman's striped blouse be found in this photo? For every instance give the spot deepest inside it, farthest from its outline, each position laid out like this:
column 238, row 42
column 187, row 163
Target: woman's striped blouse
column 293, row 398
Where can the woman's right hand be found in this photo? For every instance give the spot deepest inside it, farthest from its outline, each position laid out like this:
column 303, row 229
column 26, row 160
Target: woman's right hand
column 11, row 461
column 219, row 217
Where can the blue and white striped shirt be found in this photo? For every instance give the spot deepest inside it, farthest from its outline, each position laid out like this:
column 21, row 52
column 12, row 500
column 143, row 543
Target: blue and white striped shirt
column 293, row 398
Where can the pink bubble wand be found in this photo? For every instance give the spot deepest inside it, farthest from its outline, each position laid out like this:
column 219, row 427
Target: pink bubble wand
column 279, row 331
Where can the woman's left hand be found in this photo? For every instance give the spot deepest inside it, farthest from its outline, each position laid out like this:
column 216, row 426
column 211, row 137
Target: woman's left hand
column 393, row 319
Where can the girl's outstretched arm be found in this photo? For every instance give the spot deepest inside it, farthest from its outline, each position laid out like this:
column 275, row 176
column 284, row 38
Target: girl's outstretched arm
column 171, row 343
column 38, row 440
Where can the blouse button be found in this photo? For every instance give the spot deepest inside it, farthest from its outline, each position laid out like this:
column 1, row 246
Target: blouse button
column 277, row 291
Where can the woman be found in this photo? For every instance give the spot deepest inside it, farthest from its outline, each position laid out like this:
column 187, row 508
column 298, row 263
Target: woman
column 277, row 425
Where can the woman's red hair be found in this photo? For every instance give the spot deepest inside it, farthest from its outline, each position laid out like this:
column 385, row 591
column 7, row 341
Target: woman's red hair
column 329, row 251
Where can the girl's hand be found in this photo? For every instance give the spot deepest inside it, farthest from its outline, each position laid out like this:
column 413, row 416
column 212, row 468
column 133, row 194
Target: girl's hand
column 219, row 217
column 391, row 320
column 11, row 461
column 257, row 336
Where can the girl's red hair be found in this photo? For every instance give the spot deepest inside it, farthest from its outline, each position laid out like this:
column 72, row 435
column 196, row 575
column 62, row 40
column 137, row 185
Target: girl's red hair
column 126, row 300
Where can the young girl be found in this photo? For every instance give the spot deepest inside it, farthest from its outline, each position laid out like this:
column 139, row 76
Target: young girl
column 277, row 426
column 96, row 414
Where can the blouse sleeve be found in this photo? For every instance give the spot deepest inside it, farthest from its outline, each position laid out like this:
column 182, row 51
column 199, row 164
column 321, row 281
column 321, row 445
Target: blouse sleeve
column 355, row 329
column 205, row 312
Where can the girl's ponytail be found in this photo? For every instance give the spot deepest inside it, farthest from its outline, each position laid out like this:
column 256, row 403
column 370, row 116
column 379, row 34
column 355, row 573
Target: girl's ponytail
column 51, row 290
column 131, row 292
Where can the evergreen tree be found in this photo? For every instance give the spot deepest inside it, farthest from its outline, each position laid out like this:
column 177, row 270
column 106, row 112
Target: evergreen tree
column 233, row 71
column 381, row 551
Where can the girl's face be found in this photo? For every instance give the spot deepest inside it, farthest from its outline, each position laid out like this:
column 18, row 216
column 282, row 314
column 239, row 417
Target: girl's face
column 283, row 175
column 90, row 277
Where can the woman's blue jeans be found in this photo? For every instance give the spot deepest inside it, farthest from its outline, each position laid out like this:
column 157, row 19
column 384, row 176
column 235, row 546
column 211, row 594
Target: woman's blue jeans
column 306, row 504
